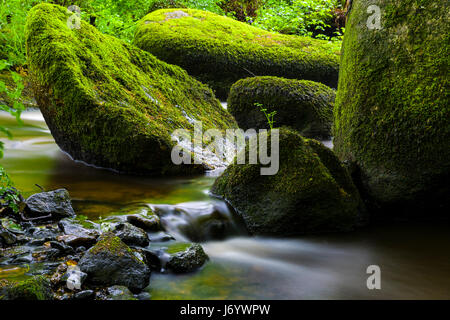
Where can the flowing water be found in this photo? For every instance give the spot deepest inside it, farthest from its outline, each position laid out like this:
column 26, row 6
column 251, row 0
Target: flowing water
column 414, row 258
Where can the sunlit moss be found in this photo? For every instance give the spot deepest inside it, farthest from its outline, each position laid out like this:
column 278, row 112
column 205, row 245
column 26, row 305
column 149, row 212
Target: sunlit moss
column 219, row 50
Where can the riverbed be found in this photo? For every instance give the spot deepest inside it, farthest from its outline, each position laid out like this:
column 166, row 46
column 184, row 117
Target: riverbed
column 414, row 258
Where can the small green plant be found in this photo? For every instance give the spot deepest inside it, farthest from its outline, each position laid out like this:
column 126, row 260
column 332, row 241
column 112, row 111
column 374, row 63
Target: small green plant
column 269, row 116
column 9, row 196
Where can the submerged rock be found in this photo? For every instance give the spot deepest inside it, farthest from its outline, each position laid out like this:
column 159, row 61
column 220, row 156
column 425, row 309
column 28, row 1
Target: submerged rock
column 219, row 51
column 111, row 104
column 185, row 257
column 312, row 192
column 392, row 106
column 112, row 262
column 305, row 106
column 56, row 203
column 35, row 288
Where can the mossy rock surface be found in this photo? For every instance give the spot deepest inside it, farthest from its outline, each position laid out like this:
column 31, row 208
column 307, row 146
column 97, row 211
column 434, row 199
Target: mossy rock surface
column 392, row 113
column 219, row 51
column 185, row 257
column 109, row 103
column 111, row 262
column 312, row 192
column 35, row 288
column 303, row 105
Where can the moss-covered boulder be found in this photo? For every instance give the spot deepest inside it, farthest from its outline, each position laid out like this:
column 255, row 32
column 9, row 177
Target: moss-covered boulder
column 303, row 105
column 392, row 114
column 35, row 288
column 111, row 262
column 312, row 192
column 219, row 51
column 185, row 257
column 111, row 104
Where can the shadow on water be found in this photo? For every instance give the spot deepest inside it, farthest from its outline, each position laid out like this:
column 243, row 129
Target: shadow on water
column 414, row 259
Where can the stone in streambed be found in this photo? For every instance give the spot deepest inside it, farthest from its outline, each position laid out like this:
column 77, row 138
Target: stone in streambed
column 35, row 288
column 219, row 50
column 185, row 257
column 109, row 103
column 311, row 192
column 305, row 106
column 112, row 262
column 56, row 203
column 392, row 113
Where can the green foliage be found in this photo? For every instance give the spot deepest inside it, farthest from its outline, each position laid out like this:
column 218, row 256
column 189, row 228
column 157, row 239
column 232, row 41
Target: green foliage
column 241, row 10
column 269, row 115
column 301, row 17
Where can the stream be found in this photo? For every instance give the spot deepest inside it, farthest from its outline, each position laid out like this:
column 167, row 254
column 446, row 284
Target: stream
column 414, row 257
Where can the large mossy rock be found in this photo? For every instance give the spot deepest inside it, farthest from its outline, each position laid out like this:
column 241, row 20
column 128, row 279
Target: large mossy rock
column 392, row 113
column 312, row 192
column 111, row 262
column 303, row 105
column 219, row 51
column 111, row 104
column 35, row 288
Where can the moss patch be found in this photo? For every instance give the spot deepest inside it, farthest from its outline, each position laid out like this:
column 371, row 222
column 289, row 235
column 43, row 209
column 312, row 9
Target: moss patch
column 219, row 51
column 311, row 192
column 35, row 288
column 109, row 103
column 304, row 105
column 392, row 106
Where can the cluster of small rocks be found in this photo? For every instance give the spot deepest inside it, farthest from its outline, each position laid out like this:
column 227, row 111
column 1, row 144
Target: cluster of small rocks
column 71, row 257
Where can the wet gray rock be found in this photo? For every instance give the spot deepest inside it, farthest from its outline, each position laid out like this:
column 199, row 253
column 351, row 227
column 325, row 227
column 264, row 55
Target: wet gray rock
column 111, row 262
column 78, row 233
column 43, row 234
column 119, row 293
column 7, row 238
column 84, row 295
column 151, row 258
column 130, row 234
column 146, row 222
column 185, row 257
column 56, row 203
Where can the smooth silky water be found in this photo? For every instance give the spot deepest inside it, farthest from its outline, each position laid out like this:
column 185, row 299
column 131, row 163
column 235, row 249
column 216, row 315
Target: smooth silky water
column 414, row 258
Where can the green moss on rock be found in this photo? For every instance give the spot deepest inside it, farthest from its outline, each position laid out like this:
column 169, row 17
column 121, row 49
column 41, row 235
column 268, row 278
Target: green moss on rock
column 219, row 51
column 112, row 262
column 392, row 107
column 111, row 104
column 303, row 105
column 185, row 257
column 35, row 288
column 312, row 192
